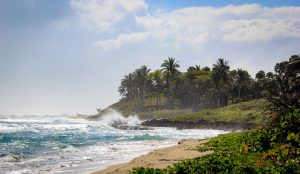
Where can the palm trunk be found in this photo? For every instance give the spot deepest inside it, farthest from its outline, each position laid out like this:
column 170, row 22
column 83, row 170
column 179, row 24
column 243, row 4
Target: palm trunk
column 225, row 99
column 198, row 100
column 239, row 94
column 157, row 100
column 134, row 102
column 172, row 100
column 137, row 100
column 221, row 98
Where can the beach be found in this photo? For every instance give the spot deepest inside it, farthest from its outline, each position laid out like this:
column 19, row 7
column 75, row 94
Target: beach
column 160, row 158
column 60, row 144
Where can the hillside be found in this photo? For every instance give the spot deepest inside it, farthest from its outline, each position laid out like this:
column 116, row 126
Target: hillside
column 245, row 112
column 126, row 108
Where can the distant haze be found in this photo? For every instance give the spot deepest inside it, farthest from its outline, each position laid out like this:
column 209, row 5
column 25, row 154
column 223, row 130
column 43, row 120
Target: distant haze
column 67, row 57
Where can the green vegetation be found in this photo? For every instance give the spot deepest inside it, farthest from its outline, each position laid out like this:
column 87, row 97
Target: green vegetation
column 270, row 149
column 204, row 94
column 273, row 148
column 127, row 107
column 197, row 88
column 245, row 112
column 166, row 113
column 195, row 94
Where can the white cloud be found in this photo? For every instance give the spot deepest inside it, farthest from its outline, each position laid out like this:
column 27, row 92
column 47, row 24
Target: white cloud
column 103, row 15
column 193, row 26
column 122, row 39
column 264, row 25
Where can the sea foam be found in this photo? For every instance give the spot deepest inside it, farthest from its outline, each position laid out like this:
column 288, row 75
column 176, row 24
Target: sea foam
column 115, row 118
column 60, row 144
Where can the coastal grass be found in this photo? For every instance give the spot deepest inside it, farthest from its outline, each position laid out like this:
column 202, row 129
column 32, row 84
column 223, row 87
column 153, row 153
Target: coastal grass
column 245, row 112
column 165, row 113
column 127, row 107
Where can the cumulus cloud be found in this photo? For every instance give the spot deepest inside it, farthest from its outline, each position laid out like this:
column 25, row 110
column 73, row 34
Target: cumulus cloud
column 193, row 26
column 259, row 29
column 122, row 39
column 104, row 15
column 264, row 25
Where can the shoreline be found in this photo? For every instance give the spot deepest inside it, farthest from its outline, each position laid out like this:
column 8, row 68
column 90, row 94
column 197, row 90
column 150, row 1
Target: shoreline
column 160, row 158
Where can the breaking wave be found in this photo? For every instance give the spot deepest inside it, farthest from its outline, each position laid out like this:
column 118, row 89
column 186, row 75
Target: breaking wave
column 114, row 118
column 60, row 144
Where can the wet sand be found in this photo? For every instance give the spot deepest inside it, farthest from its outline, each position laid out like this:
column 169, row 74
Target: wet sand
column 161, row 158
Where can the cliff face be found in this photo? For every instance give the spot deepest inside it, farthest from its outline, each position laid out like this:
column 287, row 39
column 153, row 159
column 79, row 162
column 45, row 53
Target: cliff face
column 199, row 124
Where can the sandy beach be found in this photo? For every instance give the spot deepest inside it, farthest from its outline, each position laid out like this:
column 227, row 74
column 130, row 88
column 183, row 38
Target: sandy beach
column 161, row 158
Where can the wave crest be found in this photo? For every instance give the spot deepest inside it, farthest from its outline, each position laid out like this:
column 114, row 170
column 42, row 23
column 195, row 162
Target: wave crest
column 114, row 118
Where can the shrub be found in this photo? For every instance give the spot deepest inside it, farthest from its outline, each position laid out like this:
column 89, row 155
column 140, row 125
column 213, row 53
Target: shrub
column 271, row 149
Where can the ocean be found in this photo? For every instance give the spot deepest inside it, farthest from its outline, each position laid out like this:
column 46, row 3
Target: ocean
column 62, row 144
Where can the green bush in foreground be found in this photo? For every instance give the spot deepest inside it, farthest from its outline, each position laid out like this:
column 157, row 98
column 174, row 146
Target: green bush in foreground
column 271, row 149
column 278, row 143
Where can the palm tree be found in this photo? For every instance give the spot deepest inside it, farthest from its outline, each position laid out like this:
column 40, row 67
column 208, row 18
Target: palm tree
column 193, row 68
column 206, row 68
column 199, row 82
column 260, row 83
column 221, row 77
column 284, row 90
column 157, row 83
column 260, row 74
column 242, row 81
column 128, row 88
column 170, row 67
column 269, row 75
column 142, row 81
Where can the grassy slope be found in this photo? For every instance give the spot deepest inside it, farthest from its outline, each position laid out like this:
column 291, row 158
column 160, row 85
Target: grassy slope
column 126, row 107
column 245, row 112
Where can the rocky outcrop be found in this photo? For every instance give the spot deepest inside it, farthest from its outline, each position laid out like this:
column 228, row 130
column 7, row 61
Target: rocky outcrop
column 199, row 124
column 136, row 127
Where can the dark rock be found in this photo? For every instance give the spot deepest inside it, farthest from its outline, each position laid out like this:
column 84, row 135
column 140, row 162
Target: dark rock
column 199, row 124
column 137, row 127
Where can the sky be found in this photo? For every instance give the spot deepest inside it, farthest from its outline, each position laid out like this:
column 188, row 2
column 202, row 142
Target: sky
column 68, row 56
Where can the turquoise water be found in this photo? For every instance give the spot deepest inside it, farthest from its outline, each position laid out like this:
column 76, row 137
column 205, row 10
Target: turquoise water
column 60, row 144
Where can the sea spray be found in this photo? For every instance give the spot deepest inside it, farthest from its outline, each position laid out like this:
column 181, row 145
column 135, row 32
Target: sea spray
column 114, row 118
column 60, row 144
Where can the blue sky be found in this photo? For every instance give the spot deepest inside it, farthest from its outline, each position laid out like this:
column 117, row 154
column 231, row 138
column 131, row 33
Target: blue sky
column 69, row 56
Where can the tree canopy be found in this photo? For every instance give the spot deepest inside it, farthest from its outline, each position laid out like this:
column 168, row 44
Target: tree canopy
column 206, row 87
